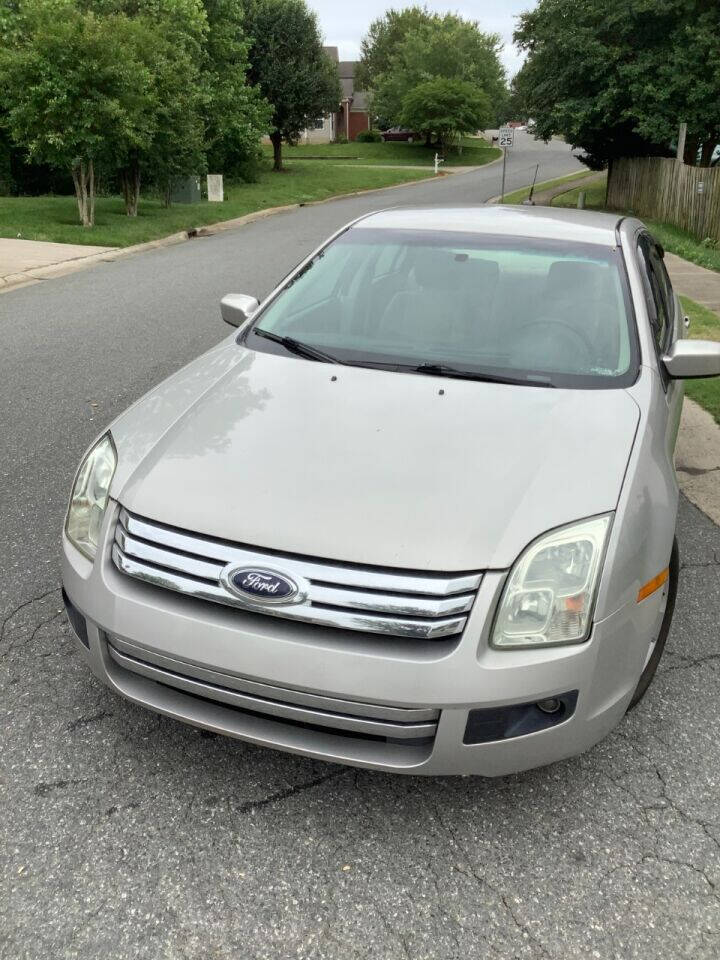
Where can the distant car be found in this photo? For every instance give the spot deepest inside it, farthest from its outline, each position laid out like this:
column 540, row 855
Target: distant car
column 400, row 133
column 418, row 513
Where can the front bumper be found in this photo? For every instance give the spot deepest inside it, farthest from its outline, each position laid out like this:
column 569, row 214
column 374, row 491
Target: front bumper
column 202, row 663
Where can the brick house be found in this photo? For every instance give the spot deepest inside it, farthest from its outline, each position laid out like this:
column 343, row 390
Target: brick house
column 352, row 114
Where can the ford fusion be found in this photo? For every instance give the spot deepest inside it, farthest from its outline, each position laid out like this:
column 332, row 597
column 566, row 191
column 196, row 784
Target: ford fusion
column 417, row 513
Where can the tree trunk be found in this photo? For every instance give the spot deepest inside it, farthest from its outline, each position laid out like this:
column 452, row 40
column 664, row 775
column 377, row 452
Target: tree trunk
column 83, row 174
column 91, row 194
column 707, row 152
column 276, row 140
column 607, row 182
column 692, row 145
column 130, row 177
column 428, row 138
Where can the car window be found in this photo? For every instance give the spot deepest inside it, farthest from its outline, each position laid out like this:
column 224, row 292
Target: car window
column 325, row 282
column 666, row 289
column 530, row 309
column 659, row 293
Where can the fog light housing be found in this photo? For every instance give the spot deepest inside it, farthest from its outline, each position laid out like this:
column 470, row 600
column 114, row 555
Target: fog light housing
column 550, row 706
column 489, row 724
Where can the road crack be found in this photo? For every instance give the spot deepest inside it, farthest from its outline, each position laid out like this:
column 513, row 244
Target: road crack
column 252, row 805
column 21, row 606
column 86, row 720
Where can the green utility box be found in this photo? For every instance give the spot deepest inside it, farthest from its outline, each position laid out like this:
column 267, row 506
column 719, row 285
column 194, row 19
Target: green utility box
column 186, row 190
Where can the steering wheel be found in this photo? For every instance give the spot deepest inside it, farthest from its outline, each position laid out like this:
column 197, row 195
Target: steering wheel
column 566, row 329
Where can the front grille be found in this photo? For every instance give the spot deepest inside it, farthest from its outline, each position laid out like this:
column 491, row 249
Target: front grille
column 410, row 727
column 398, row 603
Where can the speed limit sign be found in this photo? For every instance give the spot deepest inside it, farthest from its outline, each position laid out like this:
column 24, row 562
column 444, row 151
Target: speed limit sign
column 506, row 136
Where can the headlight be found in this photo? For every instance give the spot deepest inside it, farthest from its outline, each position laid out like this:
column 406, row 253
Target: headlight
column 90, row 496
column 549, row 596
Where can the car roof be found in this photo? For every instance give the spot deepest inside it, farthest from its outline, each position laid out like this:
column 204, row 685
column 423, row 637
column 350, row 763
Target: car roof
column 575, row 226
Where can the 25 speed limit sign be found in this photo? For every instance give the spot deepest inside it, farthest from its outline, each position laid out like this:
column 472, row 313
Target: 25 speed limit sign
column 506, row 136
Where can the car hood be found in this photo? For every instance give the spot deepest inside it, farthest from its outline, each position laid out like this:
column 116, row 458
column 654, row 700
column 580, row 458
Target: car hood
column 369, row 466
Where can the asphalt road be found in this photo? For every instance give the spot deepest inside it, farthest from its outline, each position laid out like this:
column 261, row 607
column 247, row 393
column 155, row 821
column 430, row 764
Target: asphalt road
column 126, row 835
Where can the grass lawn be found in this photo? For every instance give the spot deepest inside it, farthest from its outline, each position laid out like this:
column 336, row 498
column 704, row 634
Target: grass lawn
column 672, row 238
column 704, row 325
column 517, row 196
column 56, row 219
column 475, row 152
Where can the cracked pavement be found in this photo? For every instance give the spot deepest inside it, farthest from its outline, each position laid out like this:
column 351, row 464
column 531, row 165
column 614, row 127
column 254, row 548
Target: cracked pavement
column 128, row 835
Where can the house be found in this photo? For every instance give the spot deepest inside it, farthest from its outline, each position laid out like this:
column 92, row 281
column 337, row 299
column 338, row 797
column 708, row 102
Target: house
column 323, row 130
column 352, row 114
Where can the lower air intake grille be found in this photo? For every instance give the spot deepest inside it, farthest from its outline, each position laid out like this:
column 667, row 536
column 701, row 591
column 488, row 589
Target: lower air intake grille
column 315, row 721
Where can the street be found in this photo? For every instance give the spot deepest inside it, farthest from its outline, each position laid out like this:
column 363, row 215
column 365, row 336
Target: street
column 127, row 835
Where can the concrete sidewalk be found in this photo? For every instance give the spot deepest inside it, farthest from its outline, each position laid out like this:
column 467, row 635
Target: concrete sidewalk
column 25, row 260
column 697, row 459
column 545, row 197
column 698, row 283
column 697, row 456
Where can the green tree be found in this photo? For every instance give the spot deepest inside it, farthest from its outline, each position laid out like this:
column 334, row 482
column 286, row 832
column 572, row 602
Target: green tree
column 447, row 48
column 177, row 146
column 617, row 79
column 74, row 89
column 446, row 106
column 378, row 48
column 236, row 114
column 171, row 40
column 290, row 67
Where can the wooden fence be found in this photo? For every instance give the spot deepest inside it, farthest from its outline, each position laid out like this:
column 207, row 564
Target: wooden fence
column 663, row 189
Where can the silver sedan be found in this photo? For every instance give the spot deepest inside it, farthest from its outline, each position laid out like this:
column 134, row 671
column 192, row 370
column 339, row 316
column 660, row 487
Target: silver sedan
column 417, row 513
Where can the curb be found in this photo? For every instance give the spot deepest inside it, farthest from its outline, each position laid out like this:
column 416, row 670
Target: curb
column 16, row 280
column 579, row 181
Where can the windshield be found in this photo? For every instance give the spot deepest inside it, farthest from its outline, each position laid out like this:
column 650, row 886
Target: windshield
column 536, row 311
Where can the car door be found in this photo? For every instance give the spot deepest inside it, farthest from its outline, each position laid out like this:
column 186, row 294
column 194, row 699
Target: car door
column 667, row 325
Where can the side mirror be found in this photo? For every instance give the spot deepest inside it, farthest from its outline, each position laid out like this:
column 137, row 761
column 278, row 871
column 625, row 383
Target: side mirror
column 691, row 359
column 236, row 308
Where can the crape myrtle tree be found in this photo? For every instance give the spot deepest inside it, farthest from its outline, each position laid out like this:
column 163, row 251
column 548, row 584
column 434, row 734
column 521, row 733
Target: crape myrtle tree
column 171, row 38
column 290, row 68
column 74, row 90
column 204, row 110
column 145, row 90
column 617, row 79
column 446, row 56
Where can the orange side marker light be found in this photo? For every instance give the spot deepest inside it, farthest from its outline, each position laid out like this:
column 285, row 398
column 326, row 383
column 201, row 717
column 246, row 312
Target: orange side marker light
column 652, row 585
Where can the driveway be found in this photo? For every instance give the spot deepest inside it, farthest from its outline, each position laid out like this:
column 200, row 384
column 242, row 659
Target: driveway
column 127, row 835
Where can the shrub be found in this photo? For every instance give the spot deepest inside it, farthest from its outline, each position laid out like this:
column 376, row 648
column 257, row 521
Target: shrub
column 369, row 136
column 340, row 138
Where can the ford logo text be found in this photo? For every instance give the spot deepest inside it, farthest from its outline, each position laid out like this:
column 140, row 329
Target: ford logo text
column 261, row 585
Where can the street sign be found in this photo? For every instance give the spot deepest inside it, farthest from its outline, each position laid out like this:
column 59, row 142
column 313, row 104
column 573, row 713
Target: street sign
column 506, row 136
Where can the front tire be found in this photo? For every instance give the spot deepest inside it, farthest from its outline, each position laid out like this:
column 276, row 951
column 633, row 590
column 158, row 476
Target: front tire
column 646, row 677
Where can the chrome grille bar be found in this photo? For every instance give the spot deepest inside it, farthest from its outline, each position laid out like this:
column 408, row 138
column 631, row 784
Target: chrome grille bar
column 363, row 725
column 372, row 600
column 269, row 691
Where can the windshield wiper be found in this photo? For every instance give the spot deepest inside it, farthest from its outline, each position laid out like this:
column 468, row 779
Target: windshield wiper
column 297, row 346
column 443, row 370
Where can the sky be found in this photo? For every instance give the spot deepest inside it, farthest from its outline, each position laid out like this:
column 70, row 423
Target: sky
column 344, row 22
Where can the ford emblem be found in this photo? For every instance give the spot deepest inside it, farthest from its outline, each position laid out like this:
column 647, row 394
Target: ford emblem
column 260, row 585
